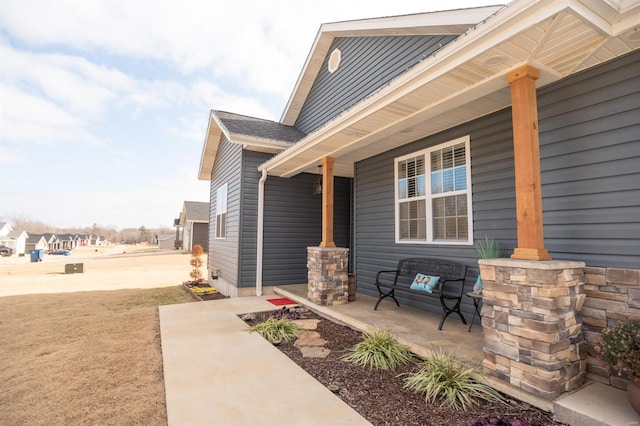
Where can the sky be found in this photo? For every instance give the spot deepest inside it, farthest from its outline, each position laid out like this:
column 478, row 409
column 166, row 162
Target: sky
column 104, row 104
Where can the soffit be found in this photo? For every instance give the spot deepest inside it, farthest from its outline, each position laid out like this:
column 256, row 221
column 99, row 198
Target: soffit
column 467, row 79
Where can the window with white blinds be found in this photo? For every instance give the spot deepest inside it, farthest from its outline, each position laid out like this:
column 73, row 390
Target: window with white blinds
column 433, row 195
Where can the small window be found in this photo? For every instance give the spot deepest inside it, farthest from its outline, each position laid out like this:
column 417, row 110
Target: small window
column 221, row 212
column 433, row 195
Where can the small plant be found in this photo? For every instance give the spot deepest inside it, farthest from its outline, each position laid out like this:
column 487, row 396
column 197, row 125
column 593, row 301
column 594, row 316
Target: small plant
column 289, row 313
column 276, row 330
column 619, row 348
column 487, row 248
column 196, row 263
column 379, row 349
column 441, row 377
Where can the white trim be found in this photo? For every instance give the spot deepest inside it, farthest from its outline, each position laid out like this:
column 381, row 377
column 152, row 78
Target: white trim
column 429, row 197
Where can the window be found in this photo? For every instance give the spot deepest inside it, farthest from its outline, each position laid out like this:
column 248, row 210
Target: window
column 433, row 195
column 221, row 212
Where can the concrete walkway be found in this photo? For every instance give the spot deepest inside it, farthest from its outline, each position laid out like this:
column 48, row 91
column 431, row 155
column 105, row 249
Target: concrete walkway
column 216, row 373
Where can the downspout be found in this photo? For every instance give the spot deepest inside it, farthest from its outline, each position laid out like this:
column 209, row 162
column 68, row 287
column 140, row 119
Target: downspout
column 259, row 243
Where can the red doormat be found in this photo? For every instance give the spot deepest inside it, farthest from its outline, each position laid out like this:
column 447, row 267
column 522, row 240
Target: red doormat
column 281, row 301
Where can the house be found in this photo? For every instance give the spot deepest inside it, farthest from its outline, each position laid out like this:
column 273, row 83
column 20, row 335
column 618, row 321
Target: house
column 520, row 123
column 5, row 228
column 235, row 146
column 166, row 241
column 67, row 241
column 83, row 239
column 36, row 242
column 13, row 238
column 52, row 241
column 192, row 227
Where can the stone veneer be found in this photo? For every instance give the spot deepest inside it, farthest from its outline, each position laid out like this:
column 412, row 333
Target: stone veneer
column 613, row 294
column 328, row 275
column 532, row 324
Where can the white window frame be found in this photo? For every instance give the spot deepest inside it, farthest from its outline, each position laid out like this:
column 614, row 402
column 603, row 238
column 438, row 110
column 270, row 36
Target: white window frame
column 428, row 197
column 222, row 197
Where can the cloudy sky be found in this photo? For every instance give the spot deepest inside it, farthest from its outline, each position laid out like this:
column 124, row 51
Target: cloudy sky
column 104, row 103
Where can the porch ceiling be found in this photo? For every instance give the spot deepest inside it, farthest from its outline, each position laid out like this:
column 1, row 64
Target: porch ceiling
column 467, row 78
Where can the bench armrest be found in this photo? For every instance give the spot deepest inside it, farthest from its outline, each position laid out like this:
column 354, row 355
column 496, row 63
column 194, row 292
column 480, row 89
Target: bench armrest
column 459, row 289
column 386, row 280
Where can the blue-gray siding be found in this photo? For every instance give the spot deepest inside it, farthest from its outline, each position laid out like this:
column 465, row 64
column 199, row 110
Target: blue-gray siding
column 590, row 160
column 223, row 253
column 292, row 222
column 590, row 150
column 201, row 235
column 367, row 64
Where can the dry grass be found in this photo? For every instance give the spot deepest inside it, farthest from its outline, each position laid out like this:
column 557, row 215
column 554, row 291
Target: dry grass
column 83, row 358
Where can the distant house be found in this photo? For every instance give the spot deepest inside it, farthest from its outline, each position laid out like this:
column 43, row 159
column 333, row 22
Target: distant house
column 13, row 238
column 36, row 242
column 17, row 240
column 5, row 228
column 52, row 241
column 67, row 241
column 192, row 227
column 166, row 241
column 83, row 239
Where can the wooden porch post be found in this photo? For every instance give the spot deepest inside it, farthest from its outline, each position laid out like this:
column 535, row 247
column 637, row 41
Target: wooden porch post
column 527, row 164
column 327, row 202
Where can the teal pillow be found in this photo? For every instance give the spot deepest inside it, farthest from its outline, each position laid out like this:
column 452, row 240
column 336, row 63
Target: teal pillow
column 477, row 287
column 425, row 283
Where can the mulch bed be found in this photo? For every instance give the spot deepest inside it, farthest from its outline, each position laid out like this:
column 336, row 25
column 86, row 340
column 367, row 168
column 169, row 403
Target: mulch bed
column 380, row 397
column 189, row 285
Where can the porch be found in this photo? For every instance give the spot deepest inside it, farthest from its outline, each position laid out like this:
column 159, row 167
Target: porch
column 414, row 327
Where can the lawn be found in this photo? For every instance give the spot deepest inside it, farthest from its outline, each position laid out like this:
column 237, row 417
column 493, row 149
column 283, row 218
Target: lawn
column 83, row 358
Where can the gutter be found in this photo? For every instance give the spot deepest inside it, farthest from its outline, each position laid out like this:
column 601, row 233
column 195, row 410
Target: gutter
column 259, row 242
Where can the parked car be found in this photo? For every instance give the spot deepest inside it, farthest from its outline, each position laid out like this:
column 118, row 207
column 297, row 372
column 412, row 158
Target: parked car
column 6, row 251
column 61, row 252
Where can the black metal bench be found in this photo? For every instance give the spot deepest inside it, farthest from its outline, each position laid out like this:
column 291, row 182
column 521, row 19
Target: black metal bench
column 450, row 286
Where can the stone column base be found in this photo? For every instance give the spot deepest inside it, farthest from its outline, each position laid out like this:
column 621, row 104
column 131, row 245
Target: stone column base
column 328, row 275
column 532, row 324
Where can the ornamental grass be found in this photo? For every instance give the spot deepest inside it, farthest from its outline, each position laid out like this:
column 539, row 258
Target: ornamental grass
column 441, row 377
column 379, row 349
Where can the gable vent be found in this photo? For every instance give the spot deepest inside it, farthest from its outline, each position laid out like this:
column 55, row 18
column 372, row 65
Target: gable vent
column 334, row 60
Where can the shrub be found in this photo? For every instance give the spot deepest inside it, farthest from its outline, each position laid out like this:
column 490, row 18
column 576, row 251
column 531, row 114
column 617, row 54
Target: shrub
column 442, row 377
column 277, row 329
column 196, row 263
column 379, row 349
column 619, row 348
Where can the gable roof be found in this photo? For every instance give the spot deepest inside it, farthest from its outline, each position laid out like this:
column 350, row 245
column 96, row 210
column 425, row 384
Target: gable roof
column 449, row 22
column 464, row 80
column 194, row 211
column 252, row 133
column 35, row 238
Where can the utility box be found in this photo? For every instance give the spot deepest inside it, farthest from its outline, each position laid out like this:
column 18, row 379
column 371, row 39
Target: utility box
column 74, row 268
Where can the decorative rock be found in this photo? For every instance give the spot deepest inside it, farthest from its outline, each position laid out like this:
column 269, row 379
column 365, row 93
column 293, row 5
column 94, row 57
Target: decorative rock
column 307, row 324
column 314, row 352
column 310, row 338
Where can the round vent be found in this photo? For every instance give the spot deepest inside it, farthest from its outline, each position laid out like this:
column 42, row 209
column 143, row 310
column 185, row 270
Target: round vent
column 334, row 60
